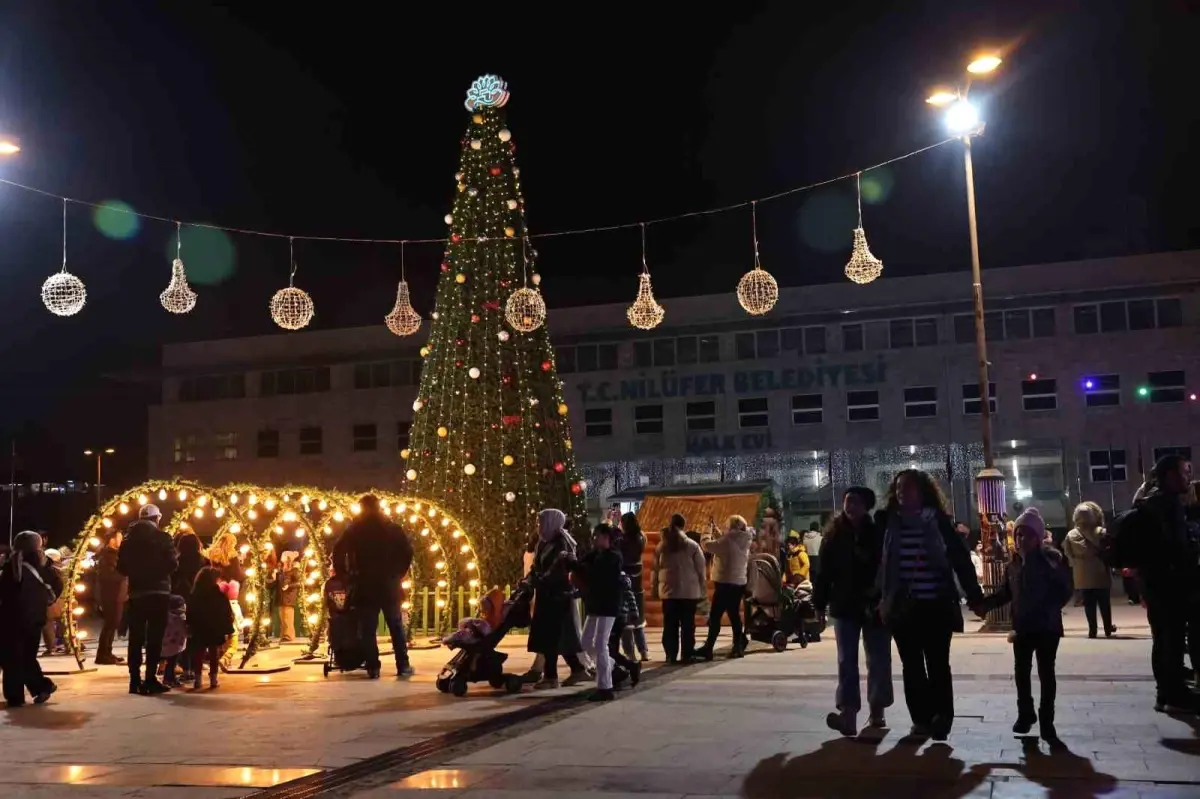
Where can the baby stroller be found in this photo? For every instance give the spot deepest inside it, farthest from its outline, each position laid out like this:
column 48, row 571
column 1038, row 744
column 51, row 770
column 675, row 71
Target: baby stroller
column 477, row 659
column 346, row 649
column 771, row 609
column 809, row 623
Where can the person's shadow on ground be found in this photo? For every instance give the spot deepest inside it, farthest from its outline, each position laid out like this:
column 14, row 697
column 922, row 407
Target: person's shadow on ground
column 1064, row 774
column 1185, row 746
column 853, row 767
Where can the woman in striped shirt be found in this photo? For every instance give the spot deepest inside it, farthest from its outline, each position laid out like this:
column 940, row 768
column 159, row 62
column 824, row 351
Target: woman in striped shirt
column 922, row 555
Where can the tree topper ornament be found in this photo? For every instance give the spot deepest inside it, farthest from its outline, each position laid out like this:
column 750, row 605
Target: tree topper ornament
column 485, row 91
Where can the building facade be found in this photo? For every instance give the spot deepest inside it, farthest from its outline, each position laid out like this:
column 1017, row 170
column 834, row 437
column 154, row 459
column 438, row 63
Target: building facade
column 1094, row 371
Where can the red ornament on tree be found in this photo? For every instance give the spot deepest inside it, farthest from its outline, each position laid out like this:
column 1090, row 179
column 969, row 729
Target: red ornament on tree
column 513, row 419
column 491, row 305
column 495, row 170
column 558, row 467
column 445, row 266
column 458, row 364
column 506, row 380
column 474, row 317
column 575, row 489
column 459, row 341
column 545, row 366
column 455, row 238
column 503, row 285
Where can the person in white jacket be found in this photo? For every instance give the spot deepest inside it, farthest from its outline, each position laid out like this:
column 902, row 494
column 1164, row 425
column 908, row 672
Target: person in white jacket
column 731, row 557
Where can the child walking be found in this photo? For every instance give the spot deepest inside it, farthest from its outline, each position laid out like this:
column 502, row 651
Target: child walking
column 1037, row 582
column 210, row 623
column 601, row 571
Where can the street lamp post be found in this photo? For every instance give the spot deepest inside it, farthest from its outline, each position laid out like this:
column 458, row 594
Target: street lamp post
column 962, row 119
column 99, row 455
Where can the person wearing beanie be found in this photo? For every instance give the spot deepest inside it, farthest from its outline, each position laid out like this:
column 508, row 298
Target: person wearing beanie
column 1037, row 581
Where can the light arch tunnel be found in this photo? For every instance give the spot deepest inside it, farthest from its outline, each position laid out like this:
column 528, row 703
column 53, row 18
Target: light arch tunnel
column 266, row 520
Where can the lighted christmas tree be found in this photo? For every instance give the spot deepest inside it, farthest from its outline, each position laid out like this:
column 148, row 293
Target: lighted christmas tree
column 490, row 439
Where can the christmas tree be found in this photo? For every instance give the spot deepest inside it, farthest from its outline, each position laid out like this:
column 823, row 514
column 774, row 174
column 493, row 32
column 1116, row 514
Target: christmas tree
column 490, row 438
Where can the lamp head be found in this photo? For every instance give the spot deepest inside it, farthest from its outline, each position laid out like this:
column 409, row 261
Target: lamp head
column 962, row 118
column 984, row 64
column 942, row 97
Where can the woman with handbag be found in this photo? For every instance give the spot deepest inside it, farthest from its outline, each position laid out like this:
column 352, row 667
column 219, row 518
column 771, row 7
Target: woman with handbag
column 919, row 600
column 28, row 586
column 851, row 549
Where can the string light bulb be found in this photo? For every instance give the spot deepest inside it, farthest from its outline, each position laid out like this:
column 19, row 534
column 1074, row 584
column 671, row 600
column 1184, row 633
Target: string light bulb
column 863, row 267
column 757, row 291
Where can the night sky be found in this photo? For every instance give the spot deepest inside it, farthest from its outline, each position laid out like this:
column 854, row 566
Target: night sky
column 333, row 123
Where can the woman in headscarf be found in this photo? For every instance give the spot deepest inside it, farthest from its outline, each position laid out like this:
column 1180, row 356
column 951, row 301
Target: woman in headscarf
column 552, row 630
column 27, row 588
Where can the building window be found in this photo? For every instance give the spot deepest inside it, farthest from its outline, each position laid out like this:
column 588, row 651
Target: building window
column 698, row 349
column 862, row 406
column 701, row 416
column 268, row 443
column 226, row 445
column 587, row 358
column 1167, row 386
column 753, row 412
column 964, row 328
column 1043, row 322
column 363, row 438
column 664, row 352
column 378, row 375
column 308, row 380
column 905, row 333
column 1087, row 319
column 403, row 431
column 970, row 396
column 312, row 441
column 648, row 419
column 206, row 388
column 993, row 326
column 808, row 409
column 1114, row 317
column 643, row 354
column 1039, row 395
column 1107, row 465
column 744, row 346
column 686, row 350
column 1169, row 312
column 1141, row 314
column 597, row 422
column 852, row 338
column 185, row 449
column 1102, row 391
column 564, row 361
column 1016, row 324
column 814, row 341
column 766, row 343
column 1162, row 452
column 920, row 402
column 803, row 340
column 710, row 349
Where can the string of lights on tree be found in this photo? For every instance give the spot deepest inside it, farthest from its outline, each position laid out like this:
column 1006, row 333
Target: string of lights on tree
column 291, row 308
column 263, row 520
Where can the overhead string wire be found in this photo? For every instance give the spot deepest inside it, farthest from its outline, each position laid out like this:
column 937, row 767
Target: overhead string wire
column 440, row 240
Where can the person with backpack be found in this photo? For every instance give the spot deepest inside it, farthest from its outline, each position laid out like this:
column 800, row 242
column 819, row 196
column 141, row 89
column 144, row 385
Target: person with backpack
column 1087, row 550
column 1152, row 537
column 28, row 586
column 147, row 557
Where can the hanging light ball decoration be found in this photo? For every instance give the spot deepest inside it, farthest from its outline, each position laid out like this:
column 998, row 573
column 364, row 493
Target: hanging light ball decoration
column 645, row 313
column 292, row 308
column 63, row 294
column 525, row 310
column 863, row 267
column 178, row 296
column 403, row 320
column 757, row 291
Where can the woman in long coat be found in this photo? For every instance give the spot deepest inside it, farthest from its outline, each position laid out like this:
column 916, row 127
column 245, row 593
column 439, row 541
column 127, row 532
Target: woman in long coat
column 552, row 630
column 632, row 544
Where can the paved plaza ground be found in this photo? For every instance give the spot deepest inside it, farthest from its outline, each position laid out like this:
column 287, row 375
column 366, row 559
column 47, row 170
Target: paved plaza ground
column 751, row 728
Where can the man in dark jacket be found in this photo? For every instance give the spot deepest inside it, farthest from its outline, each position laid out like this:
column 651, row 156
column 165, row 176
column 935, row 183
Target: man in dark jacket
column 374, row 554
column 147, row 557
column 1153, row 538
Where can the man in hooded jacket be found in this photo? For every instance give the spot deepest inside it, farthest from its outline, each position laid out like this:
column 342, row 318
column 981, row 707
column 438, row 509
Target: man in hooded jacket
column 147, row 557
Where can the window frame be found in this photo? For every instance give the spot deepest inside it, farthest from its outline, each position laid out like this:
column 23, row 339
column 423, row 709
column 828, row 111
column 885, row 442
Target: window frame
column 264, row 447
column 225, row 445
column 403, row 434
column 857, row 402
column 862, row 337
column 754, row 418
column 1103, row 388
column 1038, row 397
column 977, row 400
column 810, row 412
column 1170, row 394
column 598, row 428
column 649, row 420
column 698, row 419
column 315, row 444
column 364, row 437
column 913, row 405
column 1107, row 470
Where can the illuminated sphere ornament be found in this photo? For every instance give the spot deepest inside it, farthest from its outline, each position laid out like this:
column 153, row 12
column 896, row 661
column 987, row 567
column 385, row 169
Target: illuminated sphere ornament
column 460, row 278
column 64, row 294
column 510, row 497
column 442, row 432
column 474, row 372
column 424, row 352
column 418, row 405
column 645, row 313
column 536, row 279
column 476, row 144
column 502, row 335
column 292, row 308
column 449, row 219
column 487, row 91
column 757, row 291
column 403, row 320
column 178, row 296
column 510, row 232
column 512, row 205
column 505, row 134
column 525, row 310
column 863, row 267
column 469, row 468
column 508, row 460
column 411, row 474
column 562, row 409
column 404, row 453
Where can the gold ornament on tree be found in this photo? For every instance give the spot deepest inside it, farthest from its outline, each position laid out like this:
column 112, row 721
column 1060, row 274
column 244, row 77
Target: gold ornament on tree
column 645, row 313
column 757, row 291
column 863, row 267
column 63, row 294
column 525, row 309
column 292, row 308
column 178, row 296
column 403, row 320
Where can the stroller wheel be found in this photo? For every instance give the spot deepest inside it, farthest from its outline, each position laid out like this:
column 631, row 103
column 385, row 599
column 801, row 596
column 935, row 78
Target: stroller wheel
column 459, row 687
column 779, row 640
column 803, row 641
column 513, row 683
column 443, row 684
column 497, row 681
